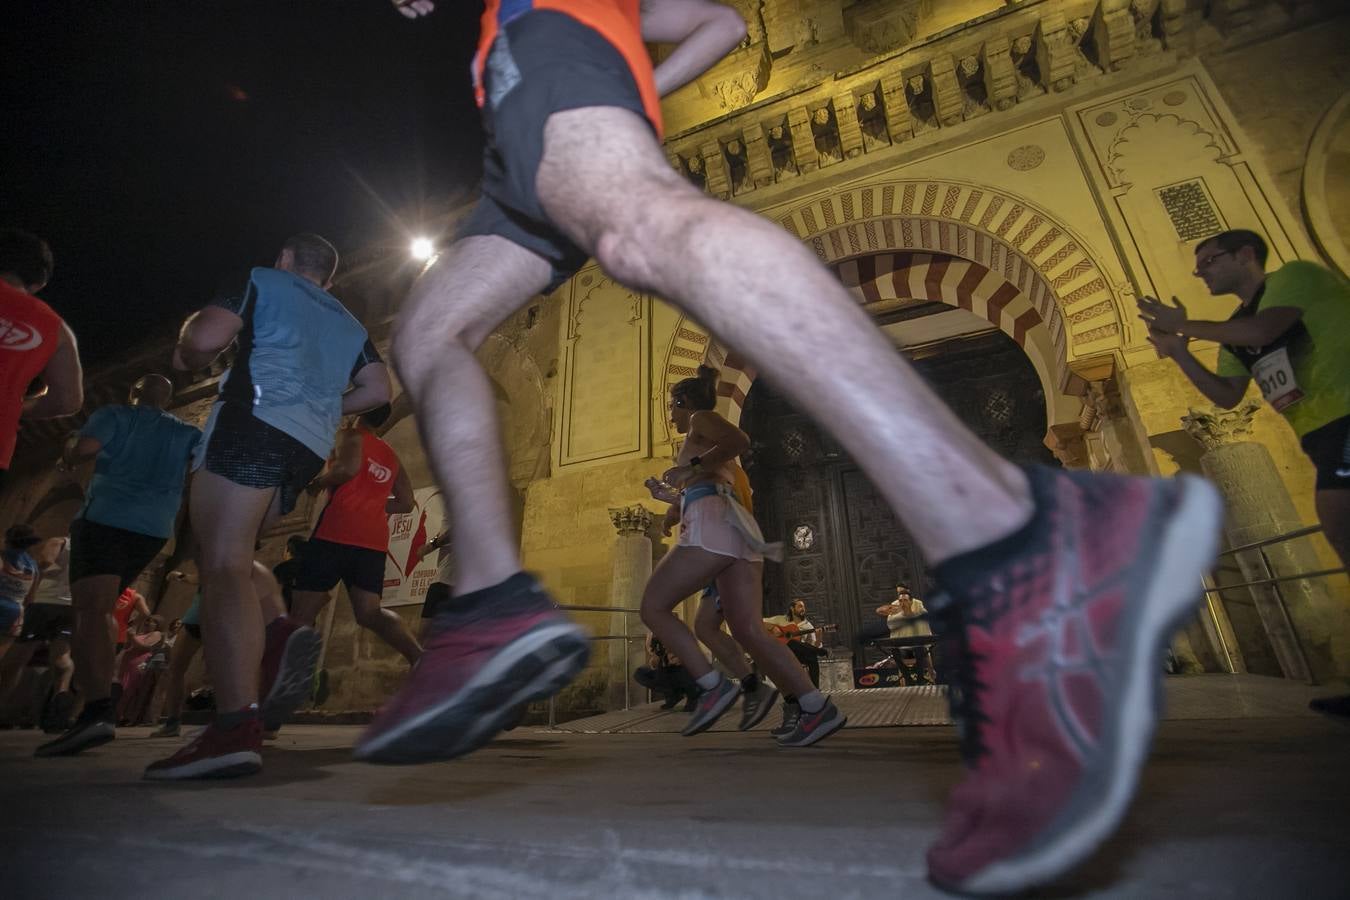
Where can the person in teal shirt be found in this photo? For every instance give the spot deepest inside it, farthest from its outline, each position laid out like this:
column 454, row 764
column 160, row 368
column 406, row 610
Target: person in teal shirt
column 141, row 456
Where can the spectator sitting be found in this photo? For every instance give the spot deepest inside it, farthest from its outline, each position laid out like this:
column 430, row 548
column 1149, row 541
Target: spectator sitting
column 137, row 684
column 665, row 675
column 905, row 616
column 801, row 637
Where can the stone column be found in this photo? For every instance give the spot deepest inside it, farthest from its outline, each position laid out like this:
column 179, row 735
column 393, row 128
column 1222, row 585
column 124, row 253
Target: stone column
column 1304, row 623
column 629, row 571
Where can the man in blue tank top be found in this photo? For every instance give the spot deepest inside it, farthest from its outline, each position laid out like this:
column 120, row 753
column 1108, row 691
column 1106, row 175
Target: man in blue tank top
column 302, row 362
column 141, row 458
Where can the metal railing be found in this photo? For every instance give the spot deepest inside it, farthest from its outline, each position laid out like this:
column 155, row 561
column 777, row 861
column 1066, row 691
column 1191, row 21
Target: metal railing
column 625, row 637
column 1284, row 637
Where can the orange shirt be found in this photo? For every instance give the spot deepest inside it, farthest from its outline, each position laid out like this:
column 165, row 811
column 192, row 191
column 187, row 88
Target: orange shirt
column 29, row 332
column 617, row 21
column 355, row 514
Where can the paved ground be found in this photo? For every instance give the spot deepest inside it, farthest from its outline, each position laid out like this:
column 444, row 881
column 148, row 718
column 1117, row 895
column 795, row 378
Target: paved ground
column 1230, row 807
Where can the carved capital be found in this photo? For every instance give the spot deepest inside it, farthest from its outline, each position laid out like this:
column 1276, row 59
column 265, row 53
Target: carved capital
column 1214, row 427
column 635, row 519
column 1067, row 444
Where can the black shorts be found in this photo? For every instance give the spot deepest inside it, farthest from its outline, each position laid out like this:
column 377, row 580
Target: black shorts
column 97, row 549
column 251, row 453
column 45, row 621
column 1329, row 449
column 323, row 564
column 437, row 594
column 541, row 63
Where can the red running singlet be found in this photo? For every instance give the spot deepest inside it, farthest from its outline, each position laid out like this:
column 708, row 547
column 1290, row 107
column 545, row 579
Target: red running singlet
column 355, row 514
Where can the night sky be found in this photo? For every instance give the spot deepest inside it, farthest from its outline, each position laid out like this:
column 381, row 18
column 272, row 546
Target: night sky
column 161, row 147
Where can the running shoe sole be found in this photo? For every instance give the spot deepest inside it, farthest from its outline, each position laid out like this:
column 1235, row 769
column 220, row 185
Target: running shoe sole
column 534, row 666
column 295, row 677
column 95, row 740
column 229, row 765
column 761, row 712
column 1188, row 545
column 722, row 706
column 820, row 734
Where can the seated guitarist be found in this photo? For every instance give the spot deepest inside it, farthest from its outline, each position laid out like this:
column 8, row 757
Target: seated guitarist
column 801, row 637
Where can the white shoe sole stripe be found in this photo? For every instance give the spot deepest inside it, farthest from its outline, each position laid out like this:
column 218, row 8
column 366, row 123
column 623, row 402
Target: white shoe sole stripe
column 206, row 766
column 496, row 667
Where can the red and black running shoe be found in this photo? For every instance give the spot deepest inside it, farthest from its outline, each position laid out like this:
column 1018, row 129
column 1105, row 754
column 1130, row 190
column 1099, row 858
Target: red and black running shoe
column 1052, row 640
column 490, row 653
column 290, row 655
column 214, row 753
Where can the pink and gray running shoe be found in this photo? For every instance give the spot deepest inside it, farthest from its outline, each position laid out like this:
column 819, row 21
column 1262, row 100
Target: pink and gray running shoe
column 1052, row 640
column 491, row 652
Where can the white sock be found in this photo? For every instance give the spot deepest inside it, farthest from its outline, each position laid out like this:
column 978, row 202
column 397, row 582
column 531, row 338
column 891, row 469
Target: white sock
column 711, row 680
column 813, row 702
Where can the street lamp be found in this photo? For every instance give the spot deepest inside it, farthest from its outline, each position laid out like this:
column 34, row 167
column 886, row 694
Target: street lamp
column 422, row 249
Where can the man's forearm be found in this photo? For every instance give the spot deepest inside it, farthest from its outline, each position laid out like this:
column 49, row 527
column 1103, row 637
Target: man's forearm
column 1252, row 331
column 1217, row 389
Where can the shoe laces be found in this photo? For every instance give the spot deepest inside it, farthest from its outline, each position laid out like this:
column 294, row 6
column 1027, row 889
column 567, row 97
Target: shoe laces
column 958, row 666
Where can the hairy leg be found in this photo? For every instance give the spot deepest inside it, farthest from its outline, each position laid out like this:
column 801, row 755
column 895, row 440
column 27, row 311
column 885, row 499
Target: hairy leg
column 605, row 181
column 451, row 310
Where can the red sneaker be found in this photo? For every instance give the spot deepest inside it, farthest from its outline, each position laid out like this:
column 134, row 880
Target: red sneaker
column 482, row 663
column 1054, row 651
column 289, row 659
column 214, row 753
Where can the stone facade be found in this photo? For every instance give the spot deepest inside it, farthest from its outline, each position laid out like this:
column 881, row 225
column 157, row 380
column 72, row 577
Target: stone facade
column 1036, row 164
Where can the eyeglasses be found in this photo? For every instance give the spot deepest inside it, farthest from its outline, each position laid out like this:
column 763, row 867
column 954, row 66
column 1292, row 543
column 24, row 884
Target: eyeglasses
column 1206, row 261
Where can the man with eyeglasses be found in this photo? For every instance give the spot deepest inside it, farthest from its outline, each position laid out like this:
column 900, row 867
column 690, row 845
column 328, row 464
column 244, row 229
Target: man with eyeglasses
column 1292, row 334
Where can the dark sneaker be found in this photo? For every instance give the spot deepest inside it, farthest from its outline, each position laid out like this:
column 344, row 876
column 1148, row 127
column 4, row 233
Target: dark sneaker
column 289, row 659
column 757, row 704
column 488, row 655
column 1331, row 706
column 56, row 714
column 168, row 729
column 791, row 713
column 214, row 753
column 812, row 727
column 91, row 729
column 1052, row 642
column 711, row 704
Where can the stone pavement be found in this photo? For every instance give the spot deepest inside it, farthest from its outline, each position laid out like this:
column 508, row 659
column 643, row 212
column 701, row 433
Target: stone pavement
column 1248, row 806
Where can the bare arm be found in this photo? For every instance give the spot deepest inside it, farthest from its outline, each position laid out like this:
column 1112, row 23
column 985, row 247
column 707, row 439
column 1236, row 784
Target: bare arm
column 64, row 378
column 435, row 543
column 728, row 442
column 1225, row 391
column 142, row 608
column 1249, row 331
column 370, row 388
column 344, row 465
column 204, row 335
column 402, row 500
column 79, row 449
column 704, row 32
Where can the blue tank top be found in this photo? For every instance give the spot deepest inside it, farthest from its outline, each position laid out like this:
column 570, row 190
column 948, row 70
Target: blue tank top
column 298, row 351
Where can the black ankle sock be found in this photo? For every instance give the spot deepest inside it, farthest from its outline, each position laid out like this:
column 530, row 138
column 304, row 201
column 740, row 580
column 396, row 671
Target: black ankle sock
column 98, row 709
column 750, row 682
column 966, row 572
column 232, row 720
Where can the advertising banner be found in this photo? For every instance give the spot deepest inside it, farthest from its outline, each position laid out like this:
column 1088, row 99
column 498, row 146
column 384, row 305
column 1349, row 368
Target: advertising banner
column 406, row 579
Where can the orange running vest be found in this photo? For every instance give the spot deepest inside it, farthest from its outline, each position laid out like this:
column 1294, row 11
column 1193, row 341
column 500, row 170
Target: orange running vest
column 29, row 332
column 617, row 21
column 355, row 514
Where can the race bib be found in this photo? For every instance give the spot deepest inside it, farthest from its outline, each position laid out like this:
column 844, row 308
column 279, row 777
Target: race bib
column 1275, row 377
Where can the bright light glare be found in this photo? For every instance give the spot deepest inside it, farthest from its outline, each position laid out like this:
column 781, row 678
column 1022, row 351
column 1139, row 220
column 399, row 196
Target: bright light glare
column 423, row 249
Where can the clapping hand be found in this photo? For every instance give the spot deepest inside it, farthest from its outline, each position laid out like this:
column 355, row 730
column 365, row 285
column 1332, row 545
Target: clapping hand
column 1161, row 317
column 661, row 491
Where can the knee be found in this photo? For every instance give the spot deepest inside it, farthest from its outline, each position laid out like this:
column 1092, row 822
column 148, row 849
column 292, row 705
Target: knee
column 368, row 615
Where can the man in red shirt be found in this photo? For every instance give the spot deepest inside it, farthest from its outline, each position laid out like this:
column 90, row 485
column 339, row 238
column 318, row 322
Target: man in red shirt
column 34, row 343
column 366, row 483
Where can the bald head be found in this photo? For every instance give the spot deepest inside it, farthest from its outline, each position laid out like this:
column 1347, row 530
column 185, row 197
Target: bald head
column 152, row 390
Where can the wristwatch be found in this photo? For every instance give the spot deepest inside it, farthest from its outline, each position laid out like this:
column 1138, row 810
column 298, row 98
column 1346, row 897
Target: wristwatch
column 696, row 463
